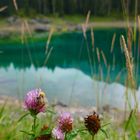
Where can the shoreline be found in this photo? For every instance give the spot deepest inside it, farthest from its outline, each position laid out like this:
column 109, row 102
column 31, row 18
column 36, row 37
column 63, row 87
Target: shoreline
column 15, row 25
column 68, row 27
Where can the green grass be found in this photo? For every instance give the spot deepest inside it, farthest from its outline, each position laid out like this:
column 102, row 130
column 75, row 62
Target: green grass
column 11, row 125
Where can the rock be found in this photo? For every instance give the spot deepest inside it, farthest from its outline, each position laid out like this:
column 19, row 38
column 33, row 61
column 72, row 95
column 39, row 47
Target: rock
column 59, row 104
column 33, row 21
column 78, row 28
column 12, row 19
column 5, row 35
column 43, row 20
column 39, row 21
column 106, row 108
column 41, row 29
column 70, row 28
column 59, row 28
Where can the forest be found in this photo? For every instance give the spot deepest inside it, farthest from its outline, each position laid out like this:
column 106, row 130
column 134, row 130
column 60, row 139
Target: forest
column 70, row 7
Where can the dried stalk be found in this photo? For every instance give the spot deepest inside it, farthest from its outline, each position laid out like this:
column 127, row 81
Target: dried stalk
column 129, row 64
column 92, row 38
column 15, row 5
column 112, row 43
column 3, row 8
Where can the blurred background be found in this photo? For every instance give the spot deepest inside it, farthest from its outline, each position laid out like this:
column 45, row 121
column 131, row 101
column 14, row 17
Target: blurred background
column 69, row 48
column 99, row 8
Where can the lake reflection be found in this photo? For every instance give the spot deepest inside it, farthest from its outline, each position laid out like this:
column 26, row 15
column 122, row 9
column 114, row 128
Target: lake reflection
column 68, row 86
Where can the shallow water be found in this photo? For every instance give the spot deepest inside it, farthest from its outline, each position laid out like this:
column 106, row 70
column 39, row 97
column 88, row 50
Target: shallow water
column 67, row 76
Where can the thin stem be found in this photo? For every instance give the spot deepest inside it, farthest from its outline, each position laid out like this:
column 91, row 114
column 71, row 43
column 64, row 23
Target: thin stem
column 92, row 138
column 34, row 125
column 65, row 136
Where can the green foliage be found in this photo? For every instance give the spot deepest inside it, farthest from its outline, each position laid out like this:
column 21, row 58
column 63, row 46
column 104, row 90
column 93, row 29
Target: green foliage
column 61, row 7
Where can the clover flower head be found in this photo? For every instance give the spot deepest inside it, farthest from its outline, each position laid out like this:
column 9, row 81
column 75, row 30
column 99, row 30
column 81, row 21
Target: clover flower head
column 44, row 136
column 35, row 101
column 138, row 134
column 58, row 134
column 65, row 122
column 92, row 123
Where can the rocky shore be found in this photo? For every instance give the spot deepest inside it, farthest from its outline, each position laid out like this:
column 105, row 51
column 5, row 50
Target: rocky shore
column 17, row 25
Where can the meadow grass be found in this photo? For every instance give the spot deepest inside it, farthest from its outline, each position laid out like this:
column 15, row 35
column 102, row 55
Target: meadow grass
column 12, row 125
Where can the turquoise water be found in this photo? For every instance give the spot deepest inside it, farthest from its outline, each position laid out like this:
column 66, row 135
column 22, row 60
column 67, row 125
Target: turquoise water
column 69, row 72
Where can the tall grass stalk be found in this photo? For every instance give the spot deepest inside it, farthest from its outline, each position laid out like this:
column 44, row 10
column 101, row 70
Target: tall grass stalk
column 125, row 12
column 15, row 5
column 138, row 50
column 112, row 43
column 104, row 58
column 129, row 64
column 92, row 38
column 3, row 8
column 129, row 40
column 131, row 121
column 84, row 29
column 49, row 39
column 135, row 23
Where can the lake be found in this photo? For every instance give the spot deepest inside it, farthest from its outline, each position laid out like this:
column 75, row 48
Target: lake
column 76, row 73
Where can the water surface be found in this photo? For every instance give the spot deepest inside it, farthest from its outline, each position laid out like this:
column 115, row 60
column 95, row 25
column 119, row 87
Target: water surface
column 69, row 76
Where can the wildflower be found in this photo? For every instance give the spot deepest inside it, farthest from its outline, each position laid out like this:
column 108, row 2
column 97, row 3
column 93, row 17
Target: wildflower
column 35, row 101
column 58, row 134
column 92, row 123
column 65, row 122
column 45, row 136
column 138, row 134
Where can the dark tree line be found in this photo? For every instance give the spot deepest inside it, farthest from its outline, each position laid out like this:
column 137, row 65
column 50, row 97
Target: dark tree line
column 61, row 7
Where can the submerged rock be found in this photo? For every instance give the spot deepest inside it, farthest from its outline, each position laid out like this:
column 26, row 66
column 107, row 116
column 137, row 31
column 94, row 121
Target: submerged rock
column 5, row 35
